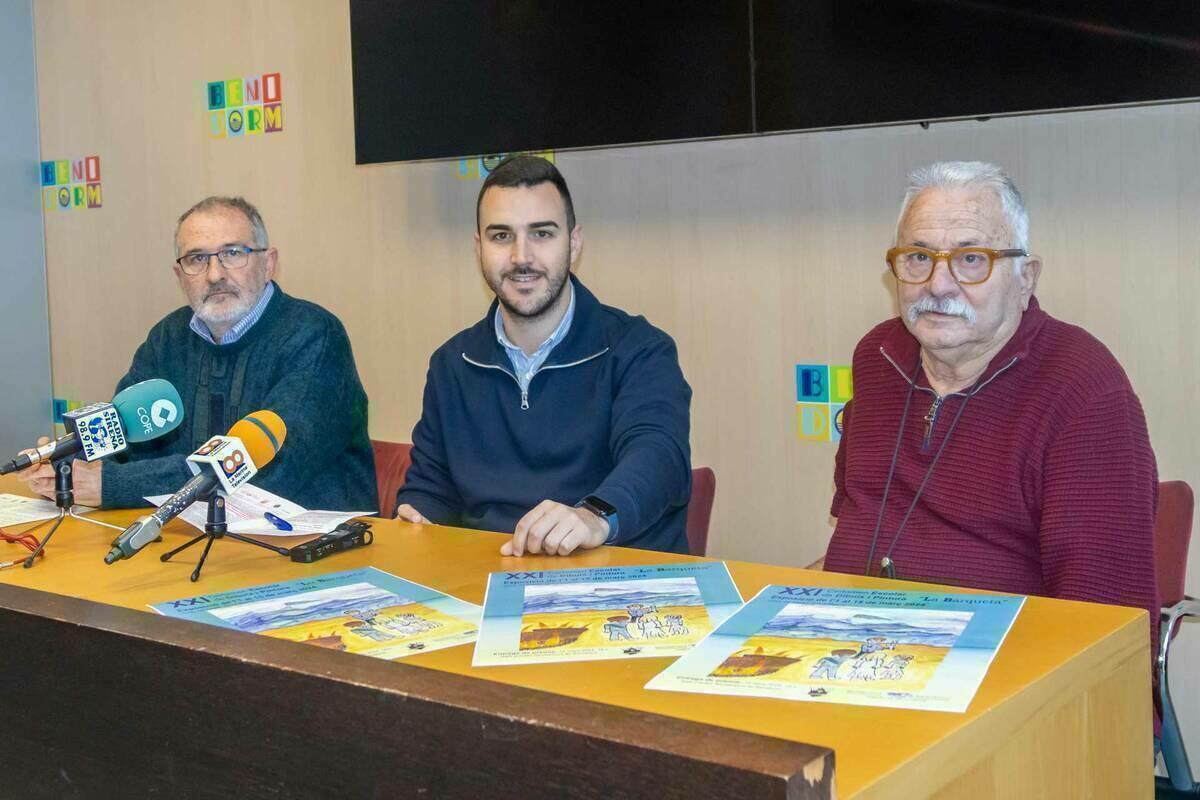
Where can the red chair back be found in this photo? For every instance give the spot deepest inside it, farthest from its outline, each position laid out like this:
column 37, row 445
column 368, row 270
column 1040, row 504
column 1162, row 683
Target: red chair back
column 699, row 513
column 391, row 464
column 1172, row 534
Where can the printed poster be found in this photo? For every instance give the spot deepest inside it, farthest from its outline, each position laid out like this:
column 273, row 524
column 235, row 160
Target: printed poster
column 364, row 611
column 602, row 613
column 917, row 650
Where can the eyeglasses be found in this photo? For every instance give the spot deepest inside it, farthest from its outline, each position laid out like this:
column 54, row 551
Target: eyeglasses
column 968, row 265
column 229, row 257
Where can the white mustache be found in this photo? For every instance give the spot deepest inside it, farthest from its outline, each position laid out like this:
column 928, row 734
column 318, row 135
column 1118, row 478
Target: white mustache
column 950, row 306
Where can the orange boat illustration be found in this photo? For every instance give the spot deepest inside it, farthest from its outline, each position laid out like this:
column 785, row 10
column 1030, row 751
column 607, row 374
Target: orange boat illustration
column 542, row 637
column 332, row 641
column 745, row 665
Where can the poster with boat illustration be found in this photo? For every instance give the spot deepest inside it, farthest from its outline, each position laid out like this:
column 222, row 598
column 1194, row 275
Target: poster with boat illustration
column 602, row 613
column 919, row 650
column 365, row 611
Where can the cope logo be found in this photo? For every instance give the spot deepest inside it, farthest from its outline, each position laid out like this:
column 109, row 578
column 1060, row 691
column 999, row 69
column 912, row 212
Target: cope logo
column 72, row 183
column 160, row 414
column 245, row 106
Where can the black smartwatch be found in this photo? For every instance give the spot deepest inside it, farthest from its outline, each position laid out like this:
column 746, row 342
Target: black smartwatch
column 597, row 506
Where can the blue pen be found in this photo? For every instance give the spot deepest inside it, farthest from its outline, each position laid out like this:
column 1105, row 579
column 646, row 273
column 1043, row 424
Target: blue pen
column 281, row 524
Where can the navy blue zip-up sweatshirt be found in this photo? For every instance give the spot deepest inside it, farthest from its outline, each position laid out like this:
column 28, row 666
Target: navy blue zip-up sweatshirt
column 606, row 415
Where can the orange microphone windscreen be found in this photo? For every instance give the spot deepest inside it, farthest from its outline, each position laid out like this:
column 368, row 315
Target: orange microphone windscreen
column 263, row 433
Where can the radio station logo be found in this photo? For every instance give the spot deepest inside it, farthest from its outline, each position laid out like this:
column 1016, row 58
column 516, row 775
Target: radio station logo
column 160, row 414
column 233, row 462
column 71, row 183
column 245, row 106
column 228, row 453
column 99, row 430
column 210, row 445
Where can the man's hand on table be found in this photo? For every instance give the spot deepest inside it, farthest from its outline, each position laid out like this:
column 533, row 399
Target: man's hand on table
column 410, row 514
column 555, row 529
column 40, row 478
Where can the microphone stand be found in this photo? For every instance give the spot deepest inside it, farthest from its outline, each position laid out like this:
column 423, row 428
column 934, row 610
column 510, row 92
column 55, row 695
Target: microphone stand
column 64, row 498
column 215, row 528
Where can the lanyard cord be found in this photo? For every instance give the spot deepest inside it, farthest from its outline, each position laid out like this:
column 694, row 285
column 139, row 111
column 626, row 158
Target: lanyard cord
column 887, row 486
column 886, row 563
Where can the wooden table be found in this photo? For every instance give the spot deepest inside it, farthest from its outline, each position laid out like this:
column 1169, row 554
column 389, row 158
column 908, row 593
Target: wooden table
column 118, row 697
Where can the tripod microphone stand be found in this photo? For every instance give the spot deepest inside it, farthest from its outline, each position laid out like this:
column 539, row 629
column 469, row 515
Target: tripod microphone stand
column 215, row 528
column 64, row 498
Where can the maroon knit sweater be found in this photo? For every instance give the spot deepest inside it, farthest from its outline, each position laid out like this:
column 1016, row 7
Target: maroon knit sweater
column 1047, row 486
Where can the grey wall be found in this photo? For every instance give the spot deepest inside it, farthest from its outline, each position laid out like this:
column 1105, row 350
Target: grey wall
column 25, row 391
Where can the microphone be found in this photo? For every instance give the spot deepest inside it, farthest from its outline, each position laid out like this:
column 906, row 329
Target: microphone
column 138, row 413
column 223, row 464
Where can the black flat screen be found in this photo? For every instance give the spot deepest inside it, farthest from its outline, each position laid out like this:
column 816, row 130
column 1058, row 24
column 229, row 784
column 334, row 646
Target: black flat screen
column 453, row 78
column 445, row 78
column 852, row 62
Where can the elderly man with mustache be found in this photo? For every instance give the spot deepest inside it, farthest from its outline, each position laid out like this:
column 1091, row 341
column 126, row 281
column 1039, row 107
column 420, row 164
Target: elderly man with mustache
column 989, row 444
column 242, row 345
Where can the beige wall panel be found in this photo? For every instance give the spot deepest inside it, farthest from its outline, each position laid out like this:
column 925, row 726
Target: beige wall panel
column 755, row 254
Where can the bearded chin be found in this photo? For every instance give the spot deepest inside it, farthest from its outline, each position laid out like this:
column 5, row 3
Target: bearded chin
column 544, row 305
column 229, row 311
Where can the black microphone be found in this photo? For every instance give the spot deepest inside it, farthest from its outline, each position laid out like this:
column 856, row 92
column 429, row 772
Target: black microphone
column 51, row 451
column 146, row 529
column 138, row 413
column 224, row 463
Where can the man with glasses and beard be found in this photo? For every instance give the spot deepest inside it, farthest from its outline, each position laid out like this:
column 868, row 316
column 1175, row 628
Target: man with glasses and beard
column 241, row 345
column 557, row 418
column 988, row 444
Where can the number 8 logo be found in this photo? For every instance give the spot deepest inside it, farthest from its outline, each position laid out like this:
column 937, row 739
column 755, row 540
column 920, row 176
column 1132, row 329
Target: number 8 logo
column 232, row 461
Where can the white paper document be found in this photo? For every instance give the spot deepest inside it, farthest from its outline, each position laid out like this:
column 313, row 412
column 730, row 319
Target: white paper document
column 17, row 510
column 245, row 510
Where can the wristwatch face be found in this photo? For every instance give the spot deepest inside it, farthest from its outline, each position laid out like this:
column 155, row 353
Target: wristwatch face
column 598, row 506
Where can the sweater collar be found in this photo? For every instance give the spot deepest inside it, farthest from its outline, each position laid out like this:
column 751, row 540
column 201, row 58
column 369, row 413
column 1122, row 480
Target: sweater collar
column 239, row 328
column 263, row 324
column 584, row 339
column 904, row 351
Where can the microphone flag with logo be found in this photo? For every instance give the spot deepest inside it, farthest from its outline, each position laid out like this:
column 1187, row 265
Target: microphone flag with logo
column 138, row 413
column 149, row 409
column 224, row 463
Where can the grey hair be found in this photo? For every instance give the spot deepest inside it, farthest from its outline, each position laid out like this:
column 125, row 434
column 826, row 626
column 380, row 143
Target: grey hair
column 972, row 174
column 239, row 204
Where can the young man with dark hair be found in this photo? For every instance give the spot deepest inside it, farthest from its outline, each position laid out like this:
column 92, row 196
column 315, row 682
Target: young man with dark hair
column 558, row 418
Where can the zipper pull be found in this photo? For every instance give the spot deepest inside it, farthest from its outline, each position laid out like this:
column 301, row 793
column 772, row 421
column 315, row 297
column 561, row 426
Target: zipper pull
column 930, row 419
column 524, row 399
